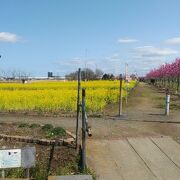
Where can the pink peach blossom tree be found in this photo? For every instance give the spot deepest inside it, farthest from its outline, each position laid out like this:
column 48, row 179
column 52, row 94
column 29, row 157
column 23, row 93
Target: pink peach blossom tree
column 167, row 75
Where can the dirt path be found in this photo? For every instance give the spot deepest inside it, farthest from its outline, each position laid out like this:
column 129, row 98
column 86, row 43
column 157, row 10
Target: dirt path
column 142, row 117
column 145, row 105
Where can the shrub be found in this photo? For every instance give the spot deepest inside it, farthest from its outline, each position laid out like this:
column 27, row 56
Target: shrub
column 47, row 127
column 23, row 125
column 34, row 125
column 58, row 131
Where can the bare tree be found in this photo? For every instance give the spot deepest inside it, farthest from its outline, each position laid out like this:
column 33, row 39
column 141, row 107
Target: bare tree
column 98, row 73
column 86, row 74
column 15, row 74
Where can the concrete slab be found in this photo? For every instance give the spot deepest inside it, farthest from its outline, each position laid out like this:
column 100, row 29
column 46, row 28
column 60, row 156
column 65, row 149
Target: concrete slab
column 71, row 177
column 135, row 159
column 130, row 164
column 99, row 158
column 169, row 147
column 161, row 166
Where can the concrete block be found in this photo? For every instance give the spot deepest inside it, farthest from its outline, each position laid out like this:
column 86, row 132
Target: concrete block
column 71, row 177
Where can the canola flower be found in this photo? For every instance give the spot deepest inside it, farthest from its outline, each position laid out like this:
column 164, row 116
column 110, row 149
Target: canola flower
column 54, row 96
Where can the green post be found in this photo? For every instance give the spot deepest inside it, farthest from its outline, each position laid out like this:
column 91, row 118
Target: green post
column 83, row 129
column 78, row 106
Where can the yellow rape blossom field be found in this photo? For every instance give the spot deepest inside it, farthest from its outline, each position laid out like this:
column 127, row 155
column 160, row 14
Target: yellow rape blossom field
column 56, row 96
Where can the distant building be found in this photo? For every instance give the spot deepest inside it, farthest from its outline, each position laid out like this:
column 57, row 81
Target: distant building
column 50, row 74
column 134, row 76
column 128, row 78
column 55, row 77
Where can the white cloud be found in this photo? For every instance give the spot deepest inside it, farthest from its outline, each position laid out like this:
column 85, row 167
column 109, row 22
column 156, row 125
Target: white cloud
column 89, row 62
column 174, row 41
column 8, row 37
column 113, row 58
column 76, row 61
column 151, row 51
column 127, row 40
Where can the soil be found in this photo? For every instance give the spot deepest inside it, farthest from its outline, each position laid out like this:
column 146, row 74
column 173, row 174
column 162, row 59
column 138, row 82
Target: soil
column 50, row 160
column 46, row 165
column 25, row 129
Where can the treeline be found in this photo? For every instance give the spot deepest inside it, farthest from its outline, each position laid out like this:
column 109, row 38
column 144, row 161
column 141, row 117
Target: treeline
column 88, row 74
column 14, row 74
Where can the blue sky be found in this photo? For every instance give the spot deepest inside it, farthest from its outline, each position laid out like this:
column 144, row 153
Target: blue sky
column 38, row 36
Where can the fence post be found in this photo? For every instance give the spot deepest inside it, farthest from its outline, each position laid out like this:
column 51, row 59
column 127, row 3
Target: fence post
column 120, row 95
column 83, row 130
column 126, row 92
column 3, row 173
column 78, row 106
column 178, row 83
column 167, row 103
column 27, row 173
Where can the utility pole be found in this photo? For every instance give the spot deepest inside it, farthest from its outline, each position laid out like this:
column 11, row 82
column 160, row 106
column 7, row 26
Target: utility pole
column 126, row 71
column 85, row 65
column 126, row 79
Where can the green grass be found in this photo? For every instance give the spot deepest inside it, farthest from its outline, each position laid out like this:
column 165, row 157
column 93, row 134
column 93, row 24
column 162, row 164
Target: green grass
column 23, row 125
column 58, row 131
column 34, row 125
column 51, row 131
column 47, row 127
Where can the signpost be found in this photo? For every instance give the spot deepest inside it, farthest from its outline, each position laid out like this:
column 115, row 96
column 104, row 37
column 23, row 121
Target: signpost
column 15, row 158
column 10, row 158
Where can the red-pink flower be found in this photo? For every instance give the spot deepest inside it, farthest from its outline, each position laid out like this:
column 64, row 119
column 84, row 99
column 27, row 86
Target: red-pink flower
column 171, row 70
